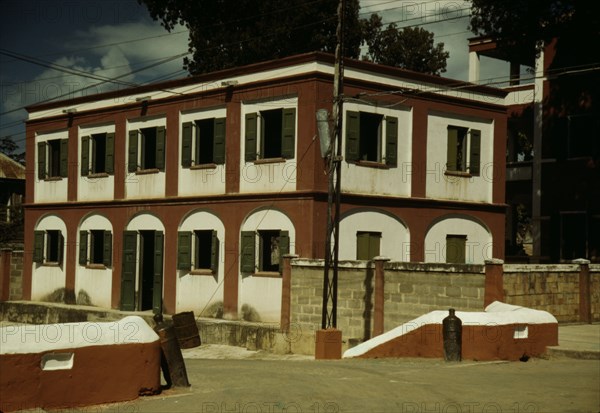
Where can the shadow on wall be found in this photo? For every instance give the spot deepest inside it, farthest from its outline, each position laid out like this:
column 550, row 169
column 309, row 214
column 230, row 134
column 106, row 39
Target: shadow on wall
column 63, row 295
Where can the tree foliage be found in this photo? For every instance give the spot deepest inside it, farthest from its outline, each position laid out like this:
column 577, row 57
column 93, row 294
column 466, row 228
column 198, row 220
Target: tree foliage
column 408, row 48
column 226, row 33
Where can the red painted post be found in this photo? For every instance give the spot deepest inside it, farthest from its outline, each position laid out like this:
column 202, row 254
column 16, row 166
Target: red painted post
column 585, row 296
column 286, row 292
column 378, row 313
column 5, row 261
column 494, row 287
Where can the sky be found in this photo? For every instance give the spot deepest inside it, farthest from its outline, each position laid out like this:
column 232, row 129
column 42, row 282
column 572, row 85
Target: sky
column 118, row 38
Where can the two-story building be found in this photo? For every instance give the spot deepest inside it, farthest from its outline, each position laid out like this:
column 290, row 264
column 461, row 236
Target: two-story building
column 185, row 195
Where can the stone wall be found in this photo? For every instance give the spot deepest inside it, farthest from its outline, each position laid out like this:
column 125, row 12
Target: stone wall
column 16, row 276
column 552, row 288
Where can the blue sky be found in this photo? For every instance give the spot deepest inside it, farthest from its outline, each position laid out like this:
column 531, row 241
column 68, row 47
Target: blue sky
column 112, row 38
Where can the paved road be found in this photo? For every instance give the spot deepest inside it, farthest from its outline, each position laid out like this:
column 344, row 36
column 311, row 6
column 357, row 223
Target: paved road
column 384, row 385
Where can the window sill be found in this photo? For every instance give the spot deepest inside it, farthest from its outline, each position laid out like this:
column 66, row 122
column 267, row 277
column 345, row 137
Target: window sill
column 97, row 175
column 51, row 264
column 147, row 171
column 201, row 271
column 95, row 266
column 204, row 166
column 458, row 173
column 268, row 160
column 53, row 178
column 267, row 274
column 372, row 164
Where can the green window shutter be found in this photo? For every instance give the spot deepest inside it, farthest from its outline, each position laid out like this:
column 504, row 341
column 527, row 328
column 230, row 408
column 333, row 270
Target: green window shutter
column 107, row 246
column 214, row 253
column 374, row 245
column 109, row 159
column 129, row 270
column 391, row 141
column 219, row 141
column 352, row 136
column 83, row 247
column 187, row 130
column 184, row 250
column 38, row 246
column 288, row 133
column 455, row 248
column 41, row 146
column 85, row 156
column 452, row 154
column 475, row 155
column 362, row 246
column 247, row 256
column 132, row 157
column 284, row 247
column 161, row 137
column 64, row 158
column 251, row 137
column 158, row 272
column 61, row 242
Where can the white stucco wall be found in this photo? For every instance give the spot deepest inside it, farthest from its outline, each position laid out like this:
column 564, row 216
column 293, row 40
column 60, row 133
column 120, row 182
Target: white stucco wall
column 200, row 181
column 96, row 282
column 270, row 177
column 441, row 186
column 395, row 237
column 49, row 191
column 197, row 292
column 478, row 245
column 96, row 188
column 47, row 278
column 368, row 180
column 264, row 293
column 147, row 185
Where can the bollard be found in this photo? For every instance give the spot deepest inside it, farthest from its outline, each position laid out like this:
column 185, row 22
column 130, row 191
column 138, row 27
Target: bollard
column 452, row 334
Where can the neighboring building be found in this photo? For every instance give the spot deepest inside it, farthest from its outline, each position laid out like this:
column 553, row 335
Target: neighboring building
column 553, row 155
column 12, row 192
column 186, row 194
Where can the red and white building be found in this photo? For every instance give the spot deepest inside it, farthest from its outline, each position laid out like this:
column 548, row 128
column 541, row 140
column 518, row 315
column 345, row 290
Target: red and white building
column 185, row 194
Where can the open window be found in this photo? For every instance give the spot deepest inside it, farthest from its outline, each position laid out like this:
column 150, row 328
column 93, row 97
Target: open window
column 95, row 248
column 270, row 134
column 263, row 251
column 464, row 150
column 97, row 154
column 48, row 247
column 146, row 149
column 203, row 142
column 198, row 251
column 371, row 137
column 53, row 158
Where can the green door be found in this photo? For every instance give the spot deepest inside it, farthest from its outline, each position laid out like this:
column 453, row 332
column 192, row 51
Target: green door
column 129, row 271
column 158, row 273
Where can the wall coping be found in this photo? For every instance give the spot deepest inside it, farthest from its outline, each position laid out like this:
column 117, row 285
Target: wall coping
column 395, row 266
column 509, row 268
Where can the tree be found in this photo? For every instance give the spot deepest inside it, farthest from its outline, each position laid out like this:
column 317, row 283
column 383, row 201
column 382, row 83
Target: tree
column 8, row 148
column 408, row 48
column 227, row 33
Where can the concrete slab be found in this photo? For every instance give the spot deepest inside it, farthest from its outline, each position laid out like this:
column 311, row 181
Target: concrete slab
column 578, row 341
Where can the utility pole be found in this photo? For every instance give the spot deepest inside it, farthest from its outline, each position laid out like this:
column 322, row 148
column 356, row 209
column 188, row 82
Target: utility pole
column 334, row 163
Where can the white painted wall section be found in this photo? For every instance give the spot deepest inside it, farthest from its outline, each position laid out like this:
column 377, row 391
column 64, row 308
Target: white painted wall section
column 452, row 187
column 198, row 292
column 96, row 282
column 395, row 237
column 49, row 190
column 478, row 245
column 47, row 278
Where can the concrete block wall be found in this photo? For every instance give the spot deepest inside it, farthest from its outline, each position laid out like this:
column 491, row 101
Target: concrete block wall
column 595, row 291
column 413, row 289
column 550, row 288
column 16, row 276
